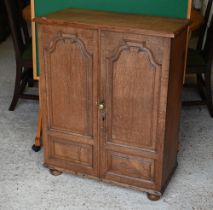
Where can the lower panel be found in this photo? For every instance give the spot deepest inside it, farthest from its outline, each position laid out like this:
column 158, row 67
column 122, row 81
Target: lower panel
column 72, row 156
column 129, row 170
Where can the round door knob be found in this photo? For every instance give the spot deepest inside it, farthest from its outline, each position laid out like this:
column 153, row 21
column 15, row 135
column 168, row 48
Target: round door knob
column 101, row 106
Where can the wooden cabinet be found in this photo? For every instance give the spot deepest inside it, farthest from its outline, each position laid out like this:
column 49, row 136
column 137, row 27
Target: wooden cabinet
column 110, row 94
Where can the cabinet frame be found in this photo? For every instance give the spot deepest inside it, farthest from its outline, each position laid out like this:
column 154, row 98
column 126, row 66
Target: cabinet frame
column 134, row 162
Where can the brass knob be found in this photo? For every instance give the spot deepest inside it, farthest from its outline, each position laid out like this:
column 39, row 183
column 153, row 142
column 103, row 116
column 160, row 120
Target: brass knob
column 101, row 106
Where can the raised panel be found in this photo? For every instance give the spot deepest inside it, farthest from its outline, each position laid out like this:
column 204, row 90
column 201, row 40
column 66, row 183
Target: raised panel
column 71, row 152
column 130, row 166
column 69, row 69
column 132, row 94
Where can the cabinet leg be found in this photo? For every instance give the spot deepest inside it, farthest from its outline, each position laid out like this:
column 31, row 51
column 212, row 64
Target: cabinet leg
column 55, row 172
column 153, row 197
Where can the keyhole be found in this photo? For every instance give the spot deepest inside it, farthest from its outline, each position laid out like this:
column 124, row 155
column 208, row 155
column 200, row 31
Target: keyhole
column 103, row 116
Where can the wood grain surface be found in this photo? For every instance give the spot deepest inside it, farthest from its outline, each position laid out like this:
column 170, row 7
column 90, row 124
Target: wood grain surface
column 111, row 96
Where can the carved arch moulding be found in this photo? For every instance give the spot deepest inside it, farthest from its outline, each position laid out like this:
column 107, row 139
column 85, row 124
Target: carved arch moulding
column 139, row 47
column 72, row 38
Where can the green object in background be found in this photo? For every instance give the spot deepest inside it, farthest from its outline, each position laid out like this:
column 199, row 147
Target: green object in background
column 167, row 8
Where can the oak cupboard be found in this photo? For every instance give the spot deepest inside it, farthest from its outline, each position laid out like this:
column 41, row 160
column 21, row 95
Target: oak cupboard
column 110, row 93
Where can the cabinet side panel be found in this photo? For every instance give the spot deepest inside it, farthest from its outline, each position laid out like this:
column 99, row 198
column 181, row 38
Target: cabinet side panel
column 178, row 50
column 42, row 89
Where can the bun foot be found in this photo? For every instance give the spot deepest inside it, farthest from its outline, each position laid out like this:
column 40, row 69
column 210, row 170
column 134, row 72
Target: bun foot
column 153, row 197
column 55, row 172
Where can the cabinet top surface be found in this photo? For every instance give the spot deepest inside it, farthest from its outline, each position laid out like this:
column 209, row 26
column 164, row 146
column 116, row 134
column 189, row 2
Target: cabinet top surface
column 148, row 25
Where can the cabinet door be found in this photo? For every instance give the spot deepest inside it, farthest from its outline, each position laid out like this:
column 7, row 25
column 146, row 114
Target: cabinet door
column 68, row 59
column 134, row 75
